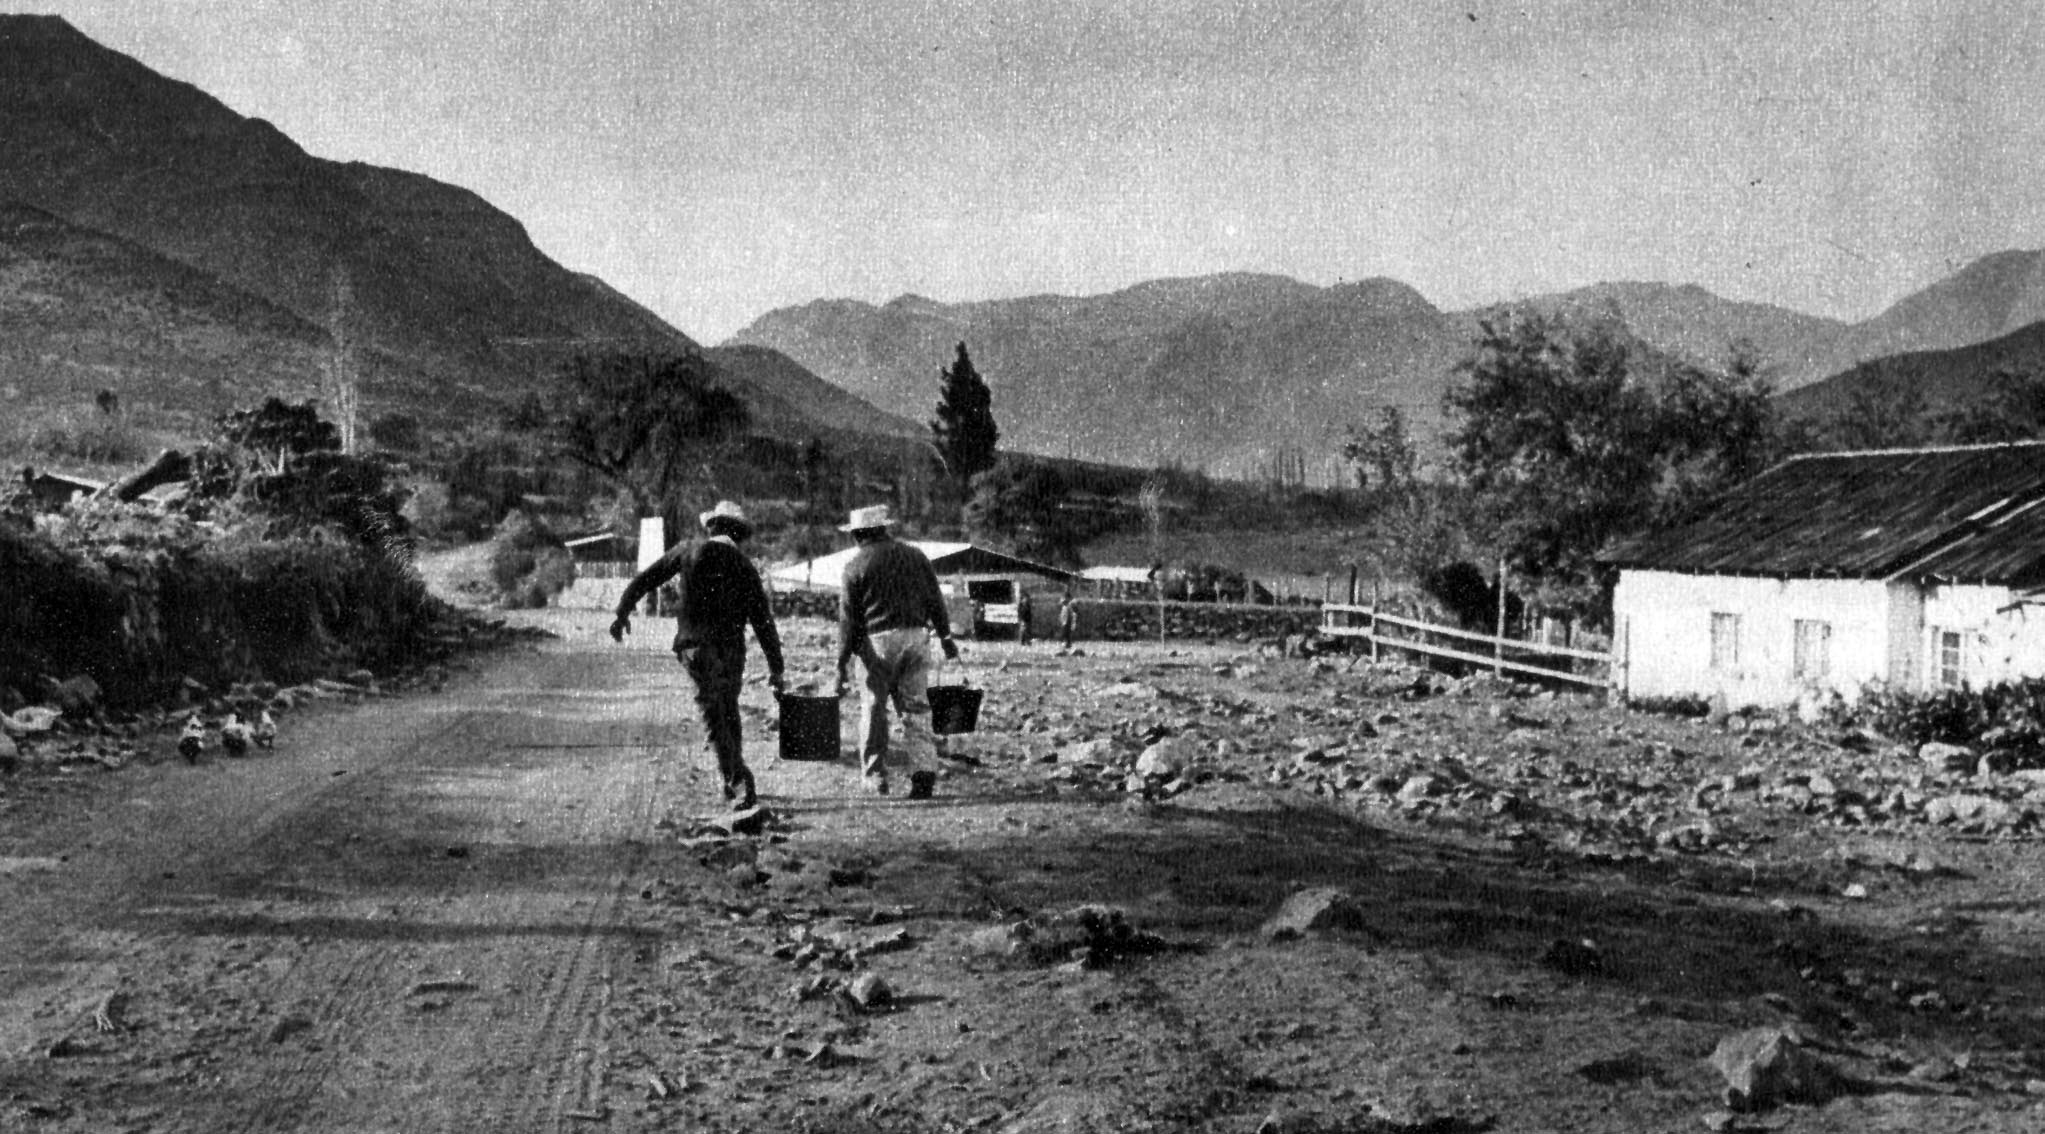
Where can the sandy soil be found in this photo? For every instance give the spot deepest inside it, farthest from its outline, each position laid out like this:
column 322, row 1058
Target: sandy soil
column 499, row 907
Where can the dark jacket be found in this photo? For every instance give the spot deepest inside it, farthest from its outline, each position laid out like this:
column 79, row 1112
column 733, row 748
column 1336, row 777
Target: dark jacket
column 720, row 593
column 889, row 585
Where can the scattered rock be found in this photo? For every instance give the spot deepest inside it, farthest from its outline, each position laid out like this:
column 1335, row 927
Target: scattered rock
column 1164, row 759
column 1132, row 689
column 870, row 992
column 1416, row 789
column 1942, row 757
column 1319, row 909
column 30, row 720
column 1000, row 940
column 1088, row 937
column 1099, row 751
column 1764, row 1067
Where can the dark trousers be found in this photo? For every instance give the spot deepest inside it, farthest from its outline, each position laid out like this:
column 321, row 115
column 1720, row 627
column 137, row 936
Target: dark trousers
column 718, row 669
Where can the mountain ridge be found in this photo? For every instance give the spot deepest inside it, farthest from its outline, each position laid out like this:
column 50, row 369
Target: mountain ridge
column 449, row 308
column 1240, row 371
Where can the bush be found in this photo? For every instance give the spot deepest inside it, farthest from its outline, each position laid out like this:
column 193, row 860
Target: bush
column 528, row 563
column 140, row 601
column 2006, row 720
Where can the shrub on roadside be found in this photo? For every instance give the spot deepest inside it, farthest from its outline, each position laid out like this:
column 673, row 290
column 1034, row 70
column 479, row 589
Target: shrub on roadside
column 528, row 563
column 139, row 601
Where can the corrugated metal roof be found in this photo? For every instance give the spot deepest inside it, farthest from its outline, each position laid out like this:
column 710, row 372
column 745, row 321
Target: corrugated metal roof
column 1975, row 513
column 1117, row 574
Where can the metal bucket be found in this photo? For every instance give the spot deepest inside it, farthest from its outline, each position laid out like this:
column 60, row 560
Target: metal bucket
column 954, row 709
column 809, row 727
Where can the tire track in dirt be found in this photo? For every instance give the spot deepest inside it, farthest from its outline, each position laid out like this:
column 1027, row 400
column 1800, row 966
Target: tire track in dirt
column 409, row 921
column 523, row 1029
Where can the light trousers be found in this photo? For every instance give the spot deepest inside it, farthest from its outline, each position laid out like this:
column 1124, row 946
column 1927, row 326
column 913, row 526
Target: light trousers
column 903, row 681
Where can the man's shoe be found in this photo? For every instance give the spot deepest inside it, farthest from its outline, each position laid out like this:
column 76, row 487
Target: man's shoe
column 877, row 785
column 922, row 784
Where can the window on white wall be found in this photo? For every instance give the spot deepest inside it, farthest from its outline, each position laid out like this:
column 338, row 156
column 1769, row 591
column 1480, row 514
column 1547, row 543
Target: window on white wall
column 1813, row 656
column 1949, row 657
column 1725, row 641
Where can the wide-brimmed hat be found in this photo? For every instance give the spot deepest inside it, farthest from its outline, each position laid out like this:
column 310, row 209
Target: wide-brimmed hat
column 871, row 516
column 726, row 510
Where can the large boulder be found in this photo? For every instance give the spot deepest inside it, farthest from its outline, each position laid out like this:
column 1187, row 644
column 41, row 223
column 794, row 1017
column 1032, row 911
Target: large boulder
column 1765, row 1067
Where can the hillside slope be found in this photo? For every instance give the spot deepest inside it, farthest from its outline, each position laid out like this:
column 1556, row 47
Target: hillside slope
column 1225, row 373
column 85, row 311
column 139, row 210
column 1945, row 378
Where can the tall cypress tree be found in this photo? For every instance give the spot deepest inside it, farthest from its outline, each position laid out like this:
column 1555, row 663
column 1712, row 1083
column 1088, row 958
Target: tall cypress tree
column 963, row 432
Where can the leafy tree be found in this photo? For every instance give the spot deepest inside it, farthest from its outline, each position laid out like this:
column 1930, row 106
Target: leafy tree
column 1569, row 439
column 647, row 421
column 1382, row 454
column 963, row 433
column 280, row 467
column 278, row 430
column 2011, row 409
column 1028, row 505
column 1881, row 415
column 1717, row 428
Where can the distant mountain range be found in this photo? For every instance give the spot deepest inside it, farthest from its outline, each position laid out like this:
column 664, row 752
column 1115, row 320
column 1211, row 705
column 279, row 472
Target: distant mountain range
column 1233, row 373
column 157, row 243
column 154, row 242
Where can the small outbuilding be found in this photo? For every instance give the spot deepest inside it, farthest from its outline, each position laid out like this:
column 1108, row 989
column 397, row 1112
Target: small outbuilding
column 1835, row 573
column 988, row 592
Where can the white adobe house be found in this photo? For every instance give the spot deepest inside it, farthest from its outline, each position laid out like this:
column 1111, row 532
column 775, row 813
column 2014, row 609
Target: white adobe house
column 1833, row 573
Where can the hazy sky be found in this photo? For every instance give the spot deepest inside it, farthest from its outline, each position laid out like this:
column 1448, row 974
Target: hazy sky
column 716, row 160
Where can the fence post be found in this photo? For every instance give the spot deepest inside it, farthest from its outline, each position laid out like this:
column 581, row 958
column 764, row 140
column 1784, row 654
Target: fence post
column 1498, row 640
column 1376, row 597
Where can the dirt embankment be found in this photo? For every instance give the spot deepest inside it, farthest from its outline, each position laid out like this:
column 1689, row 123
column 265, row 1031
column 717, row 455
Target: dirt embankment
column 500, row 907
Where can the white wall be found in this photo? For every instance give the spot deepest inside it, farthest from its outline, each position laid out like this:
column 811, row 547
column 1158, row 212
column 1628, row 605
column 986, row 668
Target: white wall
column 1998, row 644
column 1665, row 621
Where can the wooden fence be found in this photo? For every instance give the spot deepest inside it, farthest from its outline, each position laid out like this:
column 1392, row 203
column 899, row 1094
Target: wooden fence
column 1391, row 631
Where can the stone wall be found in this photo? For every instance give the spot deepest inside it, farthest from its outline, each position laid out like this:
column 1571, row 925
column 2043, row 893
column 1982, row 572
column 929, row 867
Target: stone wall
column 1129, row 620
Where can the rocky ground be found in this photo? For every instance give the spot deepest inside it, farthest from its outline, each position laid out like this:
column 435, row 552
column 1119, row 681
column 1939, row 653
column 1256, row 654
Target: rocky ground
column 1163, row 887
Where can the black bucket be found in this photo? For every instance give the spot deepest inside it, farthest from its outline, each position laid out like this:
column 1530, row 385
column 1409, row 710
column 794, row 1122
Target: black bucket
column 809, row 727
column 954, row 709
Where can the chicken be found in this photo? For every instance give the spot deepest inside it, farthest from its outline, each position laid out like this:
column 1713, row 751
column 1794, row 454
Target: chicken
column 192, row 740
column 235, row 735
column 265, row 731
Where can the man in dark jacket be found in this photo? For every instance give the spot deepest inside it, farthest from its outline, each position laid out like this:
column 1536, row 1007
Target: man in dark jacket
column 891, row 604
column 720, row 594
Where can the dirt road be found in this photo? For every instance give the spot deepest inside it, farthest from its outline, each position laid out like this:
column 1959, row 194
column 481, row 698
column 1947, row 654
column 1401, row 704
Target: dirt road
column 495, row 909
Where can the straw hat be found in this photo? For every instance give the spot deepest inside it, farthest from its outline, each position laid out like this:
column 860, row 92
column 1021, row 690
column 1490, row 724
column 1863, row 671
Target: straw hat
column 871, row 516
column 726, row 510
